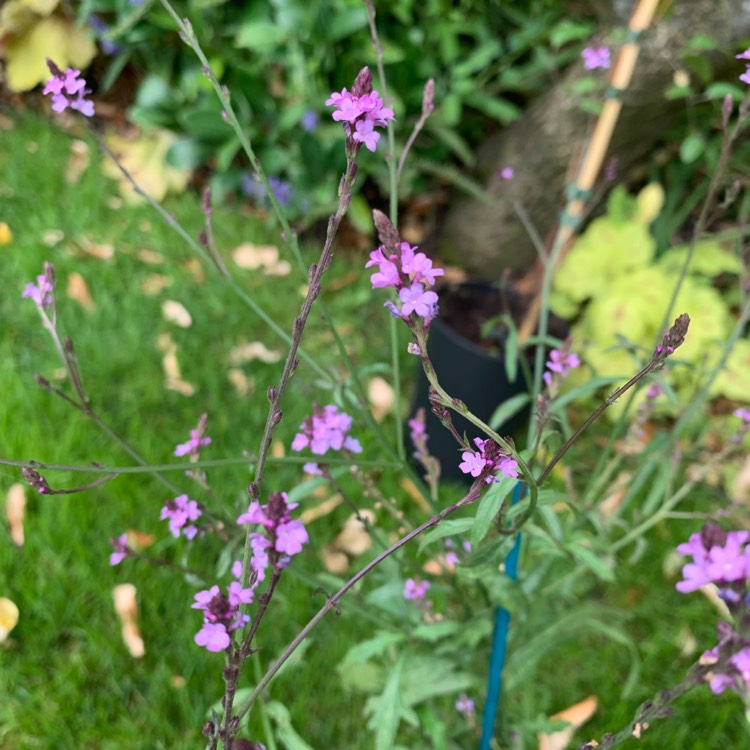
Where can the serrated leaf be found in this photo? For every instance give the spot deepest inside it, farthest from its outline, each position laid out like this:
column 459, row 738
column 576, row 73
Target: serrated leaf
column 435, row 631
column 387, row 709
column 285, row 732
column 365, row 650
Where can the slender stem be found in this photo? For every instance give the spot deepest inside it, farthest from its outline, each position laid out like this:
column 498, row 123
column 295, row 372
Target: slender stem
column 333, row 601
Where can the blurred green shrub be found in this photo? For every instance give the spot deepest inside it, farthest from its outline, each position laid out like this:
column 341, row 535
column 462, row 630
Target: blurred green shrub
column 282, row 58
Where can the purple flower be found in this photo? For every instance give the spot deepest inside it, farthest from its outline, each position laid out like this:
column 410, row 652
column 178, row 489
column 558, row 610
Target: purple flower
column 507, row 173
column 473, row 463
column 415, row 590
column 41, row 292
column 179, row 511
column 309, row 120
column 252, row 187
column 745, row 77
column 68, row 90
column 238, row 595
column 487, row 461
column 361, row 113
column 193, row 446
column 744, row 55
column 253, row 514
column 326, row 429
column 743, row 414
column 596, row 57
column 120, row 549
column 718, row 557
column 213, row 636
column 465, row 705
column 290, row 537
column 416, row 300
column 560, row 362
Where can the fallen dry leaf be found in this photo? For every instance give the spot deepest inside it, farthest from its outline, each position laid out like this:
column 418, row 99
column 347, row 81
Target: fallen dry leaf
column 175, row 312
column 152, row 257
column 247, row 352
column 171, row 367
column 411, row 489
column 321, row 509
column 126, row 607
column 277, row 449
column 6, row 236
column 8, row 617
column 139, row 540
column 195, row 269
column 98, row 250
column 576, row 716
column 334, row 561
column 265, row 257
column 79, row 292
column 15, row 508
column 50, row 237
column 355, row 539
column 741, row 486
column 615, row 495
column 78, row 161
column 242, row 384
column 381, row 396
column 155, row 283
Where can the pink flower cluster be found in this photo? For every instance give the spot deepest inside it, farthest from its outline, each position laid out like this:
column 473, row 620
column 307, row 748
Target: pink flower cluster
column 282, row 537
column 415, row 590
column 361, row 115
column 120, row 549
column 325, row 429
column 68, row 90
column 745, row 77
column 736, row 677
column 487, row 460
column 192, row 446
column 410, row 274
column 560, row 363
column 221, row 614
column 180, row 512
column 596, row 56
column 720, row 557
column 41, row 292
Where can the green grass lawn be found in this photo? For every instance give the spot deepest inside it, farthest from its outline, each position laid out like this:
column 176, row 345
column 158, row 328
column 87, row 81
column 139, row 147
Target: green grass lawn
column 66, row 678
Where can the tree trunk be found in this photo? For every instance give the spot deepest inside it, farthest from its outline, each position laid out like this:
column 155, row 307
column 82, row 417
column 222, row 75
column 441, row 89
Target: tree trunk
column 486, row 238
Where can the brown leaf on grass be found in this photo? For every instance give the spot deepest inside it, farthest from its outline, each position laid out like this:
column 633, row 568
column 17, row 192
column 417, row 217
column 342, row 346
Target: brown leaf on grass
column 98, row 250
column 152, row 257
column 175, row 312
column 50, row 237
column 334, row 561
column 321, row 509
column 411, row 489
column 6, row 123
column 263, row 257
column 8, row 617
column 126, row 607
column 247, row 352
column 741, row 485
column 78, row 291
column 6, row 236
column 354, row 538
column 381, row 396
column 78, row 161
column 242, row 384
column 278, row 450
column 195, row 268
column 173, row 376
column 576, row 716
column 15, row 509
column 139, row 540
column 155, row 283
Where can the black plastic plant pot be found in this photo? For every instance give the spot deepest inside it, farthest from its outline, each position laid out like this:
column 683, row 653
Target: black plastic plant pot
column 469, row 361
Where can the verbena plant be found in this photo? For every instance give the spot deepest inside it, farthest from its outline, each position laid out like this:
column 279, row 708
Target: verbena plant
column 422, row 651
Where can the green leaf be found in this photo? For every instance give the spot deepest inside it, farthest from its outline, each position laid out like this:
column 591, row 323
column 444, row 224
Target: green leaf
column 511, row 353
column 365, row 650
column 720, row 89
column 569, row 31
column 478, row 60
column 451, row 527
column 500, row 109
column 285, row 732
column 589, row 558
column 346, row 21
column 187, row 153
column 508, row 409
column 692, row 148
column 387, row 709
column 436, row 631
column 260, row 36
column 453, row 141
column 488, row 508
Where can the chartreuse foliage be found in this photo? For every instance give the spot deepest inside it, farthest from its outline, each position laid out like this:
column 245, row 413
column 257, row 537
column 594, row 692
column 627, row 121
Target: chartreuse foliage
column 617, row 290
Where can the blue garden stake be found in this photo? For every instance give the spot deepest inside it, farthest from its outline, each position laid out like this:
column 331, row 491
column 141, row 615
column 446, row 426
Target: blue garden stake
column 499, row 643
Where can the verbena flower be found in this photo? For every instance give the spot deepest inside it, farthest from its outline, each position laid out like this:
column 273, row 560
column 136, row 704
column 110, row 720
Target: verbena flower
column 560, row 363
column 221, row 615
column 745, row 77
column 465, row 705
column 120, row 549
column 415, row 590
column 41, row 292
column 192, row 446
column 719, row 557
column 596, row 56
column 361, row 111
column 326, row 429
column 488, row 460
column 411, row 274
column 180, row 511
column 68, row 90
